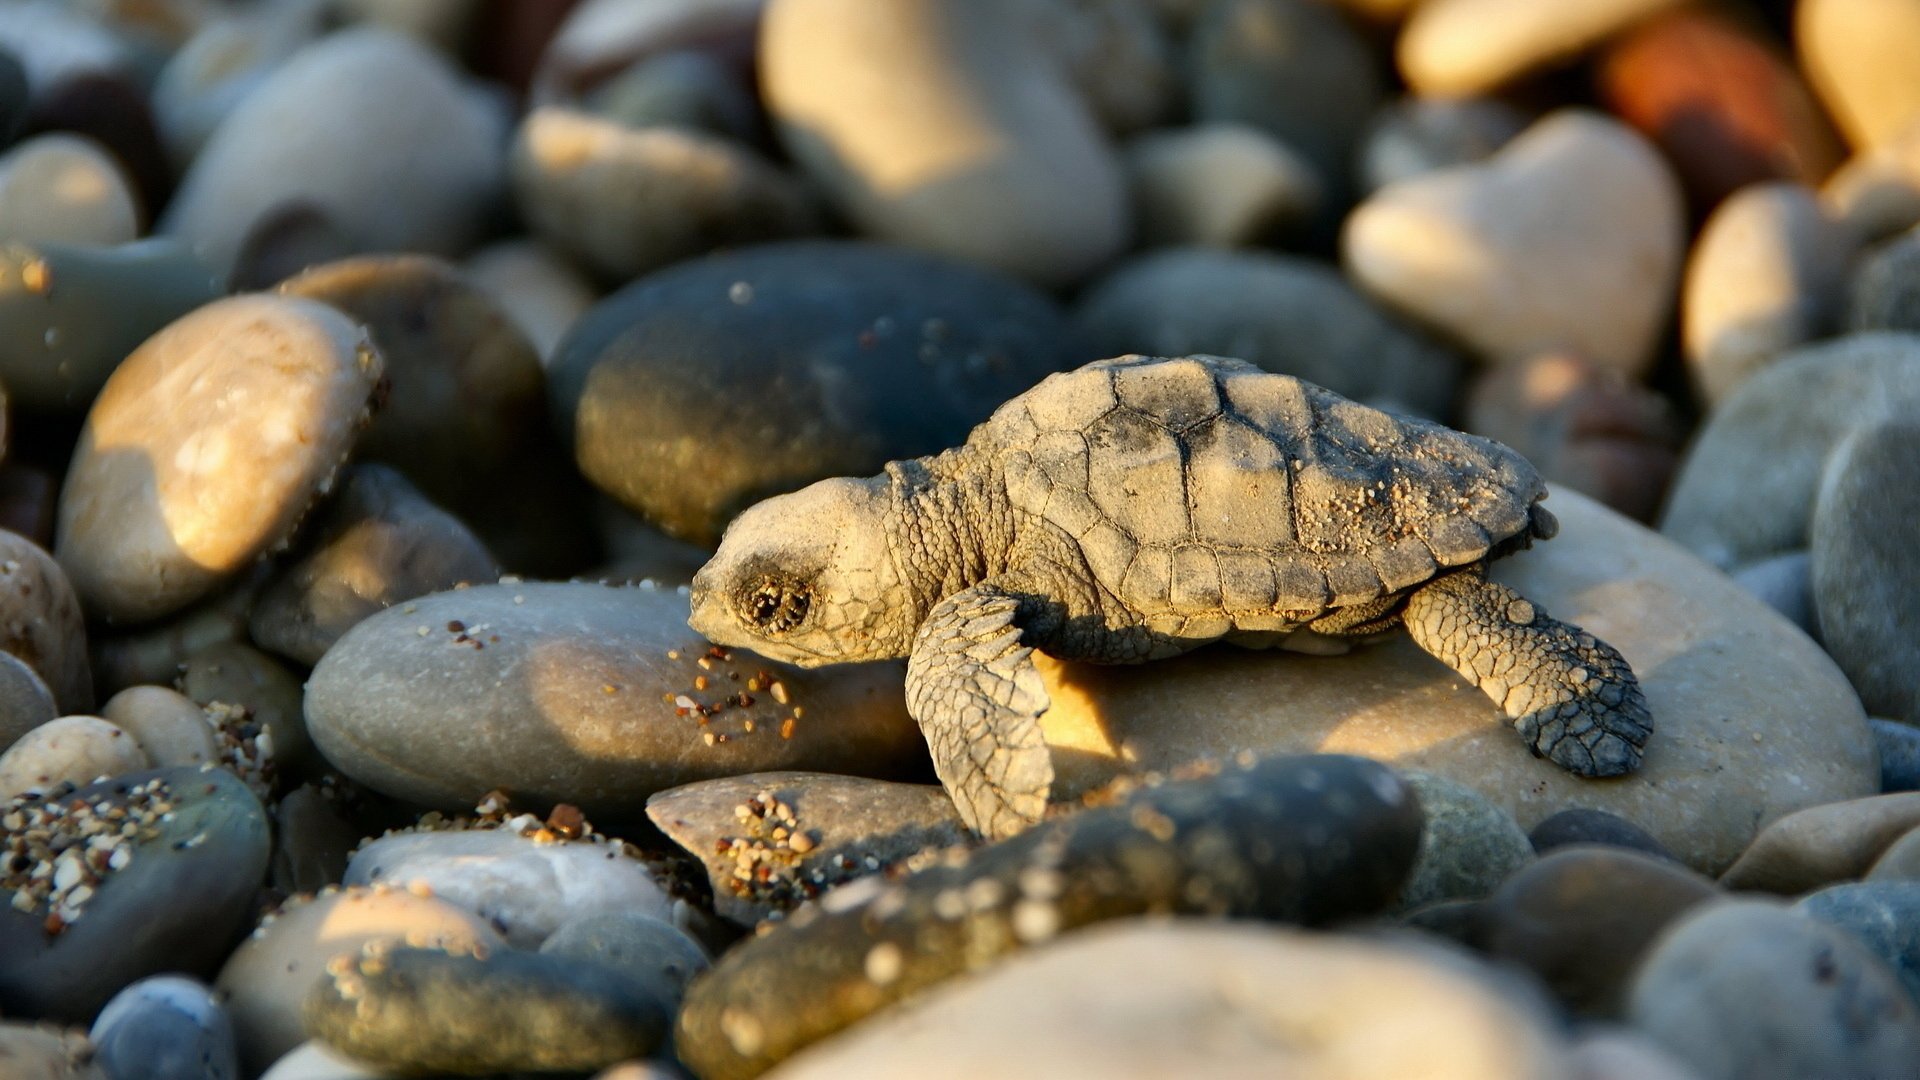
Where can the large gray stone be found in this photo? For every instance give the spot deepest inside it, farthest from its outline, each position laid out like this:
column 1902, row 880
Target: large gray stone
column 1866, row 567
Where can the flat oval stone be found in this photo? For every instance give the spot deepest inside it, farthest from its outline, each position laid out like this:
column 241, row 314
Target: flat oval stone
column 73, row 750
column 69, row 315
column 1300, row 839
column 1718, row 668
column 25, row 701
column 215, row 69
column 1581, row 825
column 166, row 1028
column 425, row 1011
column 1748, row 988
column 1884, row 915
column 584, row 694
column 654, row 954
column 772, row 840
column 1452, row 48
column 169, row 726
column 819, row 359
column 315, row 1060
column 1467, row 847
column 1125, row 999
column 270, row 974
column 182, row 891
column 41, row 623
column 65, row 189
column 1863, row 573
column 205, row 449
column 980, row 149
column 1823, row 844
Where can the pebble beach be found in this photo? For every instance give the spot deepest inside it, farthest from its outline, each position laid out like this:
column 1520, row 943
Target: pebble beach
column 375, row 375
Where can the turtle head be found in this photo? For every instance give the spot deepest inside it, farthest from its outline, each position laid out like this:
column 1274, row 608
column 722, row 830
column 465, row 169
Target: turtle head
column 808, row 578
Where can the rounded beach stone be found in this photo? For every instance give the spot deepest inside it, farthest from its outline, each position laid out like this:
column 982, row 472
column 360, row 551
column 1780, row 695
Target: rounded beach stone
column 979, row 148
column 1582, row 917
column 1454, row 48
column 182, row 891
column 315, row 1060
column 1582, row 825
column 538, row 289
column 584, row 694
column 772, row 840
column 1860, row 55
column 69, row 315
column 1862, row 571
column 1570, row 237
column 25, row 701
column 1901, row 860
column 214, row 70
column 1126, row 1000
column 1468, row 845
column 69, row 750
column 1886, row 287
column 228, row 676
column 1884, row 915
column 312, row 839
column 46, row 1052
column 818, row 358
column 1223, row 184
column 628, row 200
column 1746, row 489
column 601, row 37
column 1877, row 191
column 523, row 886
column 40, row 621
column 1899, row 755
column 1292, row 315
column 1419, row 135
column 371, row 127
column 169, row 726
column 425, row 1011
column 689, row 88
column 205, row 449
column 1835, row 841
column 1767, row 276
column 152, row 654
column 654, row 954
column 166, row 1027
column 1748, row 988
column 65, row 189
column 1751, row 719
column 1307, row 839
column 269, row 975
column 1119, row 54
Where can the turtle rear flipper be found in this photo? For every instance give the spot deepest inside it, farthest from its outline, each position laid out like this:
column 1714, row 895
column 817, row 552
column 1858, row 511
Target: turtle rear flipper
column 1571, row 696
column 978, row 698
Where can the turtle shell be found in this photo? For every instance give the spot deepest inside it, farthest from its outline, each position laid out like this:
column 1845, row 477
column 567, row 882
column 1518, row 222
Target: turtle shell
column 1206, row 487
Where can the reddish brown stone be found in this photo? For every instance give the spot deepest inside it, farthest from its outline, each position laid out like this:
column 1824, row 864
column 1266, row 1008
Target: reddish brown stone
column 1722, row 101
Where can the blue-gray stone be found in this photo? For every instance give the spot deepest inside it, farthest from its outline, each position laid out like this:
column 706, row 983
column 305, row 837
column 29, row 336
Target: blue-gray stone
column 1883, row 914
column 167, row 1027
column 1899, row 746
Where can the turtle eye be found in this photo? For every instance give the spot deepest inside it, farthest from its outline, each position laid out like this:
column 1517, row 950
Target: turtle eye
column 775, row 608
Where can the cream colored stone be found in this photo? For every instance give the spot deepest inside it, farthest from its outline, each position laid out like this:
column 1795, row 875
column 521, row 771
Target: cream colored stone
column 1862, row 57
column 1569, row 238
column 79, row 749
column 316, row 1060
column 937, row 124
column 541, row 292
column 206, row 447
column 1821, row 845
column 1454, row 48
column 170, row 728
column 1217, row 185
column 1751, row 720
column 65, row 189
column 268, row 976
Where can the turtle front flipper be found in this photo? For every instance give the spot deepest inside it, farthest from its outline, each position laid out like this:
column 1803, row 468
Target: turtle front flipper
column 973, row 688
column 1572, row 696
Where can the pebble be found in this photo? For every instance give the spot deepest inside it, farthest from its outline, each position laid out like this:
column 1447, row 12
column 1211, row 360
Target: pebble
column 369, row 126
column 980, row 148
column 200, row 455
column 1584, row 426
column 1885, row 293
column 601, row 37
column 40, row 621
column 70, row 750
column 1118, row 55
column 416, row 1010
column 1901, row 860
column 1747, row 486
column 1748, row 989
column 1582, row 918
column 1860, row 55
column 1768, row 275
column 1620, row 1053
column 287, row 955
column 312, row 838
column 46, row 1052
column 170, row 728
column 1143, row 997
column 1288, row 314
column 25, row 701
column 153, row 654
column 1899, row 755
column 183, row 887
column 1467, row 847
column 1884, row 915
column 1723, row 103
column 686, row 88
column 1296, row 69
column 1863, row 574
column 315, row 1060
column 1785, row 583
column 65, row 189
column 772, row 840
column 1570, row 237
column 69, row 315
column 1415, row 136
column 233, row 681
column 1834, row 841
column 1225, row 184
column 378, row 543
column 1877, row 191
column 1299, row 839
column 1752, row 720
column 216, row 69
column 818, row 358
column 625, row 201
column 1456, row 48
column 535, row 286
column 110, row 108
column 525, row 880
column 166, row 1027
column 654, row 954
column 1583, row 825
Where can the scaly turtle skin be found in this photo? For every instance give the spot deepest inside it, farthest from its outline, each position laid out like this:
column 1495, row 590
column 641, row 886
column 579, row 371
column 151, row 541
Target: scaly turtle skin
column 1138, row 508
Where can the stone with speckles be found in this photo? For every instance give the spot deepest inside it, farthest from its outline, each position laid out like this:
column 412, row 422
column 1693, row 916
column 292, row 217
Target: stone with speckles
column 1883, row 914
column 166, row 1027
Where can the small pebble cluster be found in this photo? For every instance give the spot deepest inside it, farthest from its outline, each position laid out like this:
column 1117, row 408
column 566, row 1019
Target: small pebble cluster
column 698, row 701
column 766, row 858
column 60, row 848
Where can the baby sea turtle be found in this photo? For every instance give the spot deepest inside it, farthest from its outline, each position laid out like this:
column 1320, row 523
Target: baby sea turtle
column 1140, row 507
